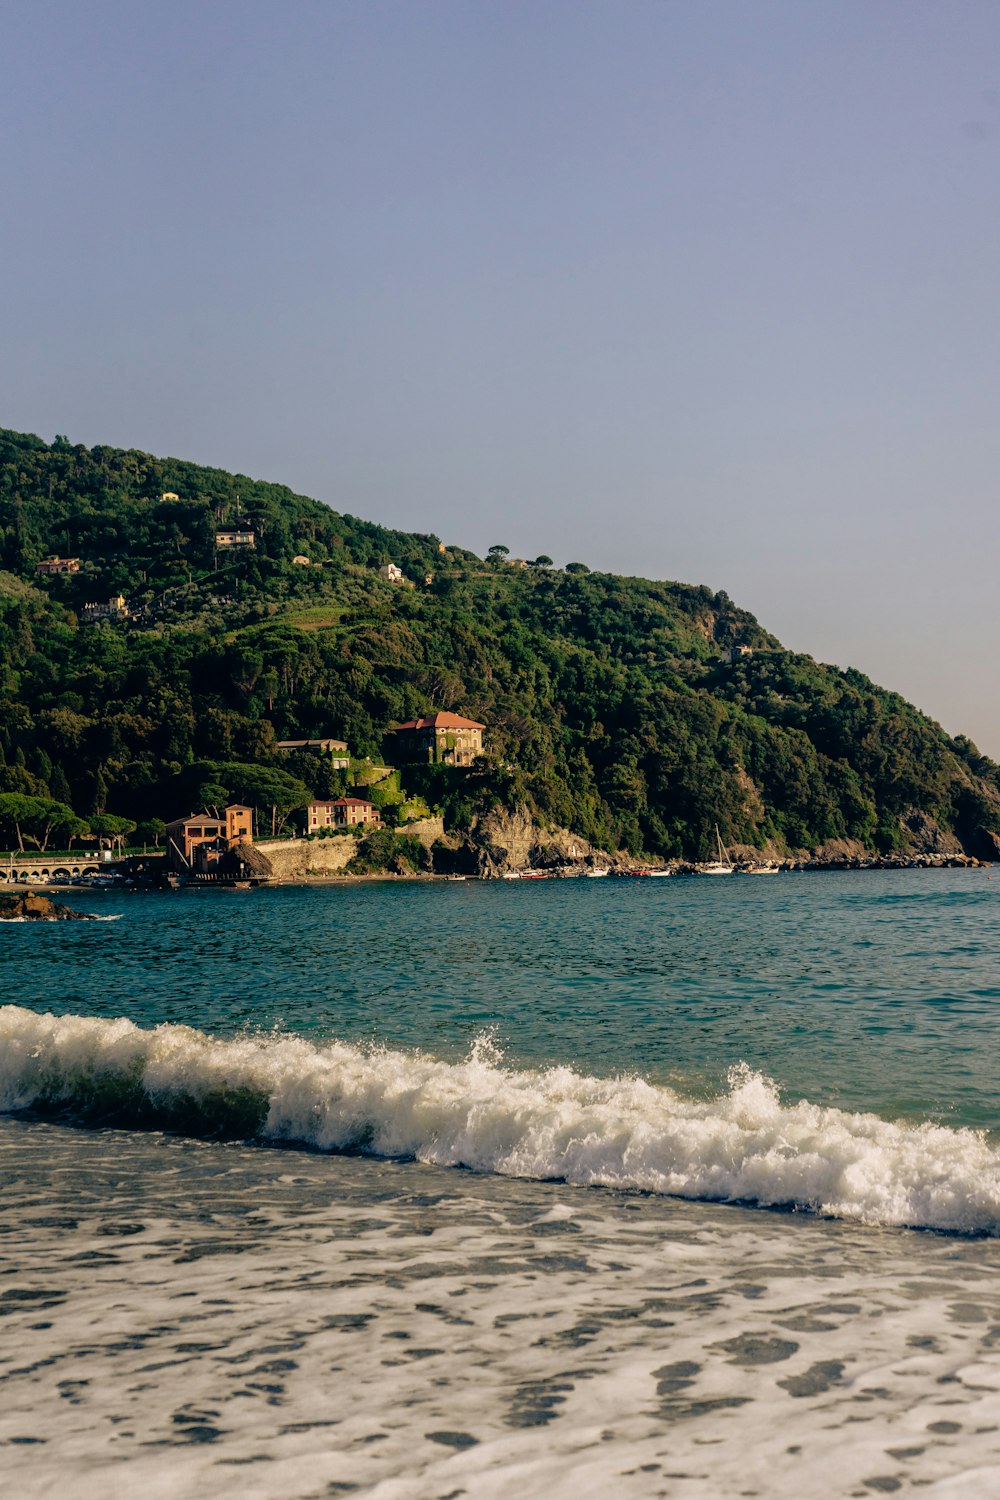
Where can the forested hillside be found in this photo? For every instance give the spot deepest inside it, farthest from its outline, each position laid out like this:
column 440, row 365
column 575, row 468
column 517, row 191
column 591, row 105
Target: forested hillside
column 610, row 707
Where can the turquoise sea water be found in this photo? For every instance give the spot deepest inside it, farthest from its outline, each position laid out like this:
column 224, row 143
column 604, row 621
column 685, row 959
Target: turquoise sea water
column 628, row 1072
column 873, row 991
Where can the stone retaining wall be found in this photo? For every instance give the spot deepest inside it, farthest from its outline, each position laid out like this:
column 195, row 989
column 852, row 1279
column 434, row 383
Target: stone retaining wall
column 320, row 859
column 427, row 830
column 308, row 859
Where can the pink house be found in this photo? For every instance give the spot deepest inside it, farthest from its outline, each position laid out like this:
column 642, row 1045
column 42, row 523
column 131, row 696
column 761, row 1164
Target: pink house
column 344, row 812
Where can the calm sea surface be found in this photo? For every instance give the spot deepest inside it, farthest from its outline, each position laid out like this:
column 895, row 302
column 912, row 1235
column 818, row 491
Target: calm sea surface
column 630, row 1074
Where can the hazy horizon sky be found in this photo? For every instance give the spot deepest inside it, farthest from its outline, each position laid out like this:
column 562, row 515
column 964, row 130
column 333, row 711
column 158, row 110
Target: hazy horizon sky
column 703, row 292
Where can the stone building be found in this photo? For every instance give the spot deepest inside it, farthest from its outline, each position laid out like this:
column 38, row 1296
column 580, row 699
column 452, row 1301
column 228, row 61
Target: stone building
column 58, row 564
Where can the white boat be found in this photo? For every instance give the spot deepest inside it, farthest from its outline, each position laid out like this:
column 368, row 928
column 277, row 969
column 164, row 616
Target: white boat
column 511, row 875
column 596, row 874
column 721, row 866
column 762, row 870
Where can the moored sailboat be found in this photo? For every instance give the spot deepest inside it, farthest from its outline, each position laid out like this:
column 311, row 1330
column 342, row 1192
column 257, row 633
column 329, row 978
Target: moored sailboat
column 721, row 866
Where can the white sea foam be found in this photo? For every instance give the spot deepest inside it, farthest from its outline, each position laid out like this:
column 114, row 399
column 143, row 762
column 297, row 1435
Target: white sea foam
column 12, row 921
column 194, row 1320
column 744, row 1145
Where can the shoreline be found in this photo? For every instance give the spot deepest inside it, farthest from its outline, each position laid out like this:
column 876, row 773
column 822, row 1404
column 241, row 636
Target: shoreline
column 684, row 872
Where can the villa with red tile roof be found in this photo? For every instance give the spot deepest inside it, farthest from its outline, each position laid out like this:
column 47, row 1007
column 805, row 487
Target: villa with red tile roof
column 343, row 812
column 440, row 738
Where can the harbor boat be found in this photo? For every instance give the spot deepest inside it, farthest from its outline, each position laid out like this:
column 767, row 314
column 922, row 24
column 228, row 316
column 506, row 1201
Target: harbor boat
column 657, row 874
column 511, row 875
column 596, row 874
column 721, row 866
column 762, row 870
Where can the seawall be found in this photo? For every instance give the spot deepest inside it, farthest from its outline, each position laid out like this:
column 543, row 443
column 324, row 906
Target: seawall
column 327, row 858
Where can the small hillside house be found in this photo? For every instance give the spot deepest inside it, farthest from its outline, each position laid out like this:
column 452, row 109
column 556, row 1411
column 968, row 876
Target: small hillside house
column 235, row 541
column 393, row 573
column 58, row 565
column 438, row 739
column 115, row 608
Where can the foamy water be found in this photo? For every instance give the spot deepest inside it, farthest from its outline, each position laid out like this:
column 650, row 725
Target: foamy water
column 186, row 1318
column 744, row 1145
column 15, row 921
column 271, row 1280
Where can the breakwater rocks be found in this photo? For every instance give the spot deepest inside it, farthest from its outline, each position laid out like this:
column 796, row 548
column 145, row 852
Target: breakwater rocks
column 891, row 862
column 33, row 908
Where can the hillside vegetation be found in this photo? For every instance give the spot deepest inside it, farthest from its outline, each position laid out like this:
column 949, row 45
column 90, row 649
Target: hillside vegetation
column 609, row 706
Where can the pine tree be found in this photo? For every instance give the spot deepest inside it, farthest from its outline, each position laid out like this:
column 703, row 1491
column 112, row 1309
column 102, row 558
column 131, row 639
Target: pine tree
column 100, row 797
column 60, row 787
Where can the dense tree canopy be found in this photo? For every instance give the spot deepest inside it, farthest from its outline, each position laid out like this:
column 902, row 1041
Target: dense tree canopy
column 615, row 705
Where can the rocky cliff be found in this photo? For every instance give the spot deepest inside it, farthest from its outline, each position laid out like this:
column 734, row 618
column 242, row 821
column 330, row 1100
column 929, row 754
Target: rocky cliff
column 506, row 840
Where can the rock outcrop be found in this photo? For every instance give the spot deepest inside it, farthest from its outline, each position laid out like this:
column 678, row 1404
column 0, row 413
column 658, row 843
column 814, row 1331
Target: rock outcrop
column 924, row 835
column 30, row 907
column 246, row 862
column 507, row 839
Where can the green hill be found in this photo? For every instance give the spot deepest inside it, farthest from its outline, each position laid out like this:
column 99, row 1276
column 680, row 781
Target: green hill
column 609, row 705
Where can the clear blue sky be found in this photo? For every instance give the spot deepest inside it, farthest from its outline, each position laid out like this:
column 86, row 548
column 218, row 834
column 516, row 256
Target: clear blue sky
column 694, row 290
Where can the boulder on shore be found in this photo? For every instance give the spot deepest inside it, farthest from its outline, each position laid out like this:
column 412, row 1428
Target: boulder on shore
column 29, row 907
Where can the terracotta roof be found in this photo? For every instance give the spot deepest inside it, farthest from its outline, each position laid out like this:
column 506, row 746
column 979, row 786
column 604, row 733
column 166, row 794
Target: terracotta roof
column 325, row 743
column 341, row 802
column 440, row 721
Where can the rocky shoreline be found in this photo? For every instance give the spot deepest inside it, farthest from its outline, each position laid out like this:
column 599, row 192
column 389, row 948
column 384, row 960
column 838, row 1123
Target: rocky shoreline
column 503, row 844
column 58, row 912
column 29, row 906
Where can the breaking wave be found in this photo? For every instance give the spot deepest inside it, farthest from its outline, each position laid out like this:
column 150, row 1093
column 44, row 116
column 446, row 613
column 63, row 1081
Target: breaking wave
column 742, row 1146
